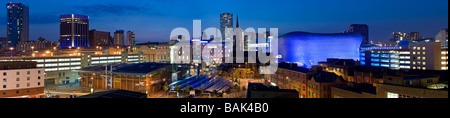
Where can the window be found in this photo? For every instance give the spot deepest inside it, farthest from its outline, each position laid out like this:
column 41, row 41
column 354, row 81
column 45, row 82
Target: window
column 4, row 92
column 430, row 81
column 4, row 80
column 4, row 86
column 39, row 77
column 18, row 79
column 17, row 85
column 28, row 78
column 392, row 95
column 28, row 72
column 408, row 82
column 18, row 73
column 4, row 74
column 28, row 84
column 39, row 72
column 39, row 83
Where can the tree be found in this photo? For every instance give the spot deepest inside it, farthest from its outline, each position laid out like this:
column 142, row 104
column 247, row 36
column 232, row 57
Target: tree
column 244, row 88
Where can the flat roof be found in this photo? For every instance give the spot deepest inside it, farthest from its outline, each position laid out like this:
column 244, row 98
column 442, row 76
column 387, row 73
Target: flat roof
column 115, row 94
column 139, row 68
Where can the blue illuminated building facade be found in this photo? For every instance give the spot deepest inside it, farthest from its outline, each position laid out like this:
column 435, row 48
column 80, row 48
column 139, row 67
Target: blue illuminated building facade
column 74, row 31
column 17, row 23
column 307, row 49
column 389, row 57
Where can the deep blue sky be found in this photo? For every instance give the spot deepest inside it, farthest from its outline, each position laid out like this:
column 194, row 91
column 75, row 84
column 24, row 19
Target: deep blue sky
column 153, row 20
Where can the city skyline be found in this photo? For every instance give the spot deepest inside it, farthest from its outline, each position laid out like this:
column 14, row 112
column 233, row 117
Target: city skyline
column 153, row 20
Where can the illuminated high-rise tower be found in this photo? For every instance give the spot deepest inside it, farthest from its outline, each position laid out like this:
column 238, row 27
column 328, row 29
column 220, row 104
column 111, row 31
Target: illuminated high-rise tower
column 226, row 21
column 17, row 23
column 74, row 31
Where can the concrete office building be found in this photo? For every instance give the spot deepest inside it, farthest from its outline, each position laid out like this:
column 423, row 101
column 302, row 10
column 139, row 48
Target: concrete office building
column 64, row 69
column 99, row 39
column 119, row 38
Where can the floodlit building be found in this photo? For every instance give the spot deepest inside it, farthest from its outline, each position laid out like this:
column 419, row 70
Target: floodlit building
column 21, row 80
column 64, row 69
column 139, row 77
column 74, row 31
column 307, row 49
column 420, row 55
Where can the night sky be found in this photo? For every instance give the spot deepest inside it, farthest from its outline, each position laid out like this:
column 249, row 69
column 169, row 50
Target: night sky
column 153, row 20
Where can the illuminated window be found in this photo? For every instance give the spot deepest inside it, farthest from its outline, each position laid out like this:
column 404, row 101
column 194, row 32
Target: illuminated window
column 414, row 68
column 424, row 68
column 424, row 58
column 423, row 53
column 424, row 63
column 392, row 95
column 423, row 48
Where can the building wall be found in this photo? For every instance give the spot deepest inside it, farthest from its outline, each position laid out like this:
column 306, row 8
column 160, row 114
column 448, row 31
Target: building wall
column 119, row 38
column 21, row 82
column 99, row 38
column 341, row 93
column 321, row 89
column 288, row 79
column 426, row 56
column 444, row 57
column 408, row 92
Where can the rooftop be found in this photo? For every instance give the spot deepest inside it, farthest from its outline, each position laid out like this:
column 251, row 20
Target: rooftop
column 115, row 94
column 326, row 77
column 139, row 68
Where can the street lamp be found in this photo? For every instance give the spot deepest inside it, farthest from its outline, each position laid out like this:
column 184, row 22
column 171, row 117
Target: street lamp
column 12, row 48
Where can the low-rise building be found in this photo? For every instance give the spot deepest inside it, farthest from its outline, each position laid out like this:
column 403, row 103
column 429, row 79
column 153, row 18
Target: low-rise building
column 418, row 85
column 319, row 86
column 260, row 90
column 354, row 90
column 139, row 77
column 290, row 76
column 21, row 80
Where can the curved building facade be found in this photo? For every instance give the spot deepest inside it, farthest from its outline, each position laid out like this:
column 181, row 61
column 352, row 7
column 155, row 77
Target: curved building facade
column 308, row 49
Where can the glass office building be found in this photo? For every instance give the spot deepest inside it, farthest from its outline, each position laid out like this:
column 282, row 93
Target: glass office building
column 17, row 23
